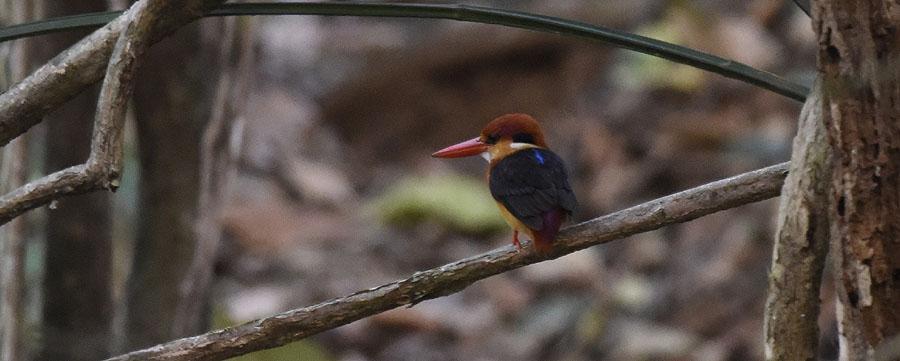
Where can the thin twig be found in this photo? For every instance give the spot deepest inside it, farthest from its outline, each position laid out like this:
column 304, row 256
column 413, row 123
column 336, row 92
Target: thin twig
column 104, row 165
column 296, row 324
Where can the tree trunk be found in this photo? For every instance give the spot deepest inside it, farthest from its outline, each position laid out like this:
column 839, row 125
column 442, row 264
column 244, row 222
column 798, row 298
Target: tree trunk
column 13, row 172
column 77, row 302
column 172, row 103
column 12, row 258
column 858, row 56
column 801, row 242
column 219, row 152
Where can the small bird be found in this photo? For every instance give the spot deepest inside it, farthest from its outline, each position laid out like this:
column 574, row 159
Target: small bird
column 528, row 181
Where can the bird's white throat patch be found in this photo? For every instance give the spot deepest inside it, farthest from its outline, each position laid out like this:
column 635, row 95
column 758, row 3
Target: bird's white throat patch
column 486, row 156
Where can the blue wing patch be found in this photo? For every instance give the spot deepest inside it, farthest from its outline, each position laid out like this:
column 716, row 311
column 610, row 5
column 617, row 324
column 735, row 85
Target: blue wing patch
column 540, row 158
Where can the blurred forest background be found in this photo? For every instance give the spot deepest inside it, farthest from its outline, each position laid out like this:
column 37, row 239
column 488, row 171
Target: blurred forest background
column 290, row 156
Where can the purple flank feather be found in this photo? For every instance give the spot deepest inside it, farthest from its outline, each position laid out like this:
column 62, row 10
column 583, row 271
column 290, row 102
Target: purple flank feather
column 544, row 237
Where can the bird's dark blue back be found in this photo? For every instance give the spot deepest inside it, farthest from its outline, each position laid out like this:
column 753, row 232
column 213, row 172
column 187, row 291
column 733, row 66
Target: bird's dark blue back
column 530, row 183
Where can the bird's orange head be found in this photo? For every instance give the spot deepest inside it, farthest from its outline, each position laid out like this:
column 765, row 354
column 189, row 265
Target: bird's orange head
column 502, row 136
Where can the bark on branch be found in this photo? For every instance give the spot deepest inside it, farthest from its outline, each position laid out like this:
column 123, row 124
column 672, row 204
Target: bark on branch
column 104, row 165
column 801, row 242
column 83, row 64
column 296, row 324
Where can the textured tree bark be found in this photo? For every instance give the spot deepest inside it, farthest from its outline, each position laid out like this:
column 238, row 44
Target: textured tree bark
column 172, row 103
column 858, row 56
column 801, row 242
column 77, row 301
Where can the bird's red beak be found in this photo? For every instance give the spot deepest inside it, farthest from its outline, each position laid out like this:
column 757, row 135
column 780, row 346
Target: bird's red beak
column 468, row 148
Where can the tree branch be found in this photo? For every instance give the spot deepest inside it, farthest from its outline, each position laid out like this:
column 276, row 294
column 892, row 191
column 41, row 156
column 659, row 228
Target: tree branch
column 104, row 165
column 801, row 242
column 296, row 324
column 81, row 65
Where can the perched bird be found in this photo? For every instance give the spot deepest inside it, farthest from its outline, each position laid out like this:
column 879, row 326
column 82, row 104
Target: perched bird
column 528, row 181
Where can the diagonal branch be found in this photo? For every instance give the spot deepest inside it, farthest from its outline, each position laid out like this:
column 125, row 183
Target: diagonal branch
column 104, row 165
column 296, row 324
column 83, row 64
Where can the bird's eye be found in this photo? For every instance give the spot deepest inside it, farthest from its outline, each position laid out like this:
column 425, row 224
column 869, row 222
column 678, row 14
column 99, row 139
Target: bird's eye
column 523, row 138
column 491, row 139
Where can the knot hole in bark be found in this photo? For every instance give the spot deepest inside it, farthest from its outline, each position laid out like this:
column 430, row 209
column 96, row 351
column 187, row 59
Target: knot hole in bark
column 833, row 54
column 841, row 206
column 853, row 297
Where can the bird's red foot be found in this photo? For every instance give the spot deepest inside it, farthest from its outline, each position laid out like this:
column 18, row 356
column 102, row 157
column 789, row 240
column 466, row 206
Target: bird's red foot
column 516, row 240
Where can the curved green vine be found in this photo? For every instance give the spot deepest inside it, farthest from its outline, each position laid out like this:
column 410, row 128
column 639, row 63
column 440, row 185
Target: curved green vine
column 468, row 13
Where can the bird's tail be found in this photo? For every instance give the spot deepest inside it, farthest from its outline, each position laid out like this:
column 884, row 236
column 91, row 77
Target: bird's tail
column 543, row 239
